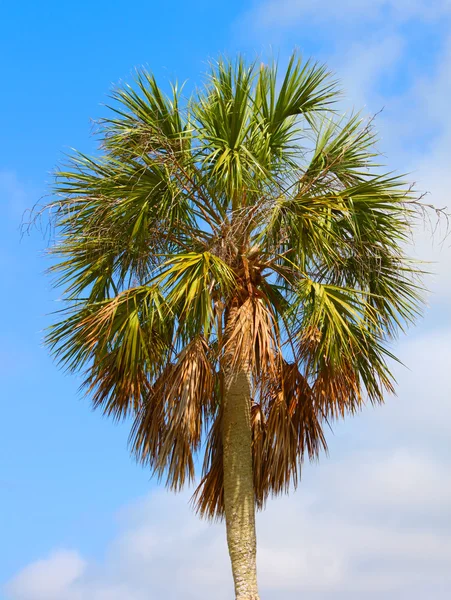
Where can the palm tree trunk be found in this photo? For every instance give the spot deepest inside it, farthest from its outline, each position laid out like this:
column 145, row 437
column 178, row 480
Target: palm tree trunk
column 239, row 498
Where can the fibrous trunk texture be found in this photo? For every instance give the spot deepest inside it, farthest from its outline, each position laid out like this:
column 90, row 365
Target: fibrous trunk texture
column 239, row 498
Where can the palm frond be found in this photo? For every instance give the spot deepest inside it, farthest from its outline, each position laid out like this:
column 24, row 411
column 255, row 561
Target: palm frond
column 341, row 345
column 252, row 339
column 168, row 427
column 121, row 343
column 191, row 282
column 208, row 498
column 292, row 427
column 146, row 118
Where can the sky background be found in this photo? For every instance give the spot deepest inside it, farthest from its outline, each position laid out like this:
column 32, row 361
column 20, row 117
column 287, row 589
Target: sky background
column 78, row 519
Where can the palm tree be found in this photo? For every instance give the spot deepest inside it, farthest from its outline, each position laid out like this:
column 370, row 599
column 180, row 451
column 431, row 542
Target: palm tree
column 234, row 269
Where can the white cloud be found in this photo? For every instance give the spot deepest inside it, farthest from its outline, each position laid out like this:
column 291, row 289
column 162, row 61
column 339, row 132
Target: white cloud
column 50, row 578
column 286, row 14
column 162, row 551
column 362, row 66
column 372, row 521
column 423, row 408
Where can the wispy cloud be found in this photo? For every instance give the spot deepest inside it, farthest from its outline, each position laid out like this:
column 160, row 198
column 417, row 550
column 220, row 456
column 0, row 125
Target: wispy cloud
column 50, row 578
column 291, row 13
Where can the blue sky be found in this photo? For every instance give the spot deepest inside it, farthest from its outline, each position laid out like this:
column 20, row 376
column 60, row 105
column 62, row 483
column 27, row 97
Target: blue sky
column 79, row 519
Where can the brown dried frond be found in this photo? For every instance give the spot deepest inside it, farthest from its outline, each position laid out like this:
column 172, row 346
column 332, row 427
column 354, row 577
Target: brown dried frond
column 252, row 339
column 286, row 426
column 167, row 431
column 338, row 391
column 258, row 422
column 343, row 377
column 341, row 391
column 208, row 497
column 112, row 388
column 293, row 428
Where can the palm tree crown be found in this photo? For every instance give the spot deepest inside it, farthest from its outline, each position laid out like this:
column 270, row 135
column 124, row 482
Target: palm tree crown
column 246, row 228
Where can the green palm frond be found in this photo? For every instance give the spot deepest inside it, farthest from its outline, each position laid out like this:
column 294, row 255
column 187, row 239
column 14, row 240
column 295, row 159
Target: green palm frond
column 191, row 282
column 120, row 343
column 146, row 118
column 343, row 152
column 341, row 346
